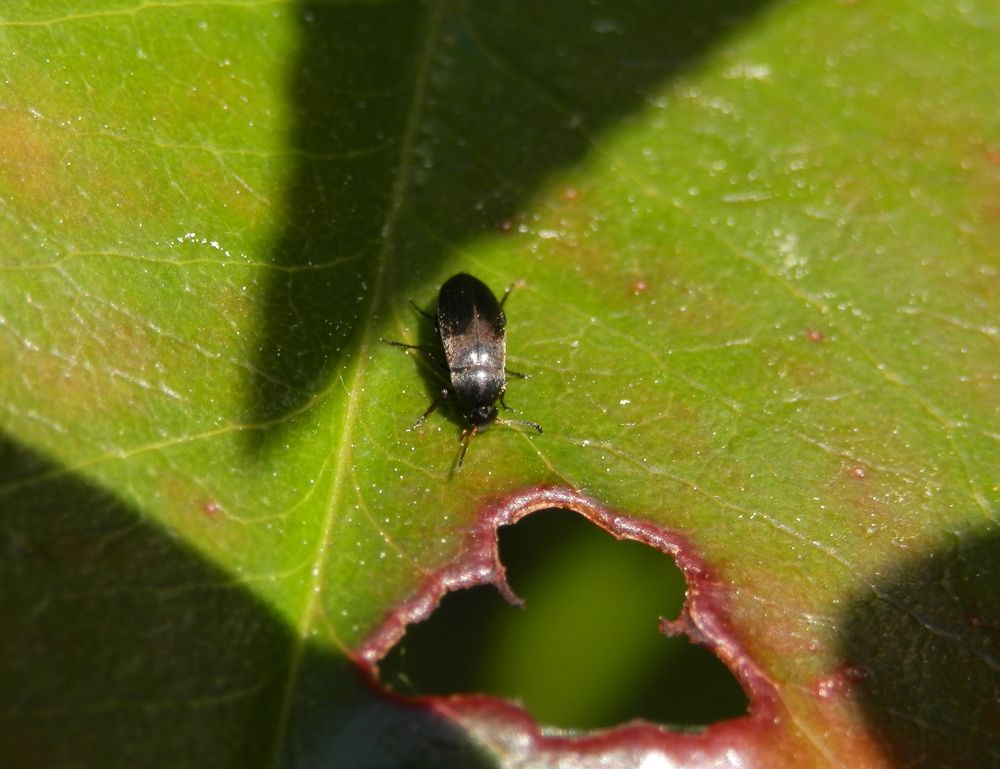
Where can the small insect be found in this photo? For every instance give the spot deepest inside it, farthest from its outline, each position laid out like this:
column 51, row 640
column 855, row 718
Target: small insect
column 470, row 322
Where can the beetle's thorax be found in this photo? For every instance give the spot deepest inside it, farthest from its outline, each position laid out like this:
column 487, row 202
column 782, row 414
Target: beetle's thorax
column 479, row 385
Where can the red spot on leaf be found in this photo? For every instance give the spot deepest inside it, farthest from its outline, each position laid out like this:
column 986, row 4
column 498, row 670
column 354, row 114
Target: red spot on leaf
column 840, row 683
column 211, row 508
column 815, row 335
column 570, row 193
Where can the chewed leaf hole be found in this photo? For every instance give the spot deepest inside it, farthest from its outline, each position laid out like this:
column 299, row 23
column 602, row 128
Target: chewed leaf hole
column 585, row 652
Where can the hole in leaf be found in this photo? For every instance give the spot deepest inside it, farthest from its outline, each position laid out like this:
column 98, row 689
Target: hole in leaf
column 586, row 651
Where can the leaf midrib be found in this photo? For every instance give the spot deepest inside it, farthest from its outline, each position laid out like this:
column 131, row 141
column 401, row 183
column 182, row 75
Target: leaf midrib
column 357, row 367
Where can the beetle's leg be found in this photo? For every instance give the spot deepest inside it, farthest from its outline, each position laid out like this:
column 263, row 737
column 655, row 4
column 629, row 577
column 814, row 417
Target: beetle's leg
column 406, row 346
column 440, row 369
column 525, row 422
column 434, row 404
column 467, row 434
column 431, row 318
column 506, row 294
column 518, row 374
column 504, row 404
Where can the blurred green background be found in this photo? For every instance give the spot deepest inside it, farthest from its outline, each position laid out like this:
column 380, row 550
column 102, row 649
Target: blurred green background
column 585, row 650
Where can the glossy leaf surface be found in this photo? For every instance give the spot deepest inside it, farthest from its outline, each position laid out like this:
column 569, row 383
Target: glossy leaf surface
column 755, row 249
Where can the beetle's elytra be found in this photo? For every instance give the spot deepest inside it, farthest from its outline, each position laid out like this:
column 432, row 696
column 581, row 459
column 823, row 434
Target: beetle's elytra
column 471, row 325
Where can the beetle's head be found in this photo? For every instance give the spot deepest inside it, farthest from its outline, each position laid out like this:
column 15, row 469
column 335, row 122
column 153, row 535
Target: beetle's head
column 482, row 416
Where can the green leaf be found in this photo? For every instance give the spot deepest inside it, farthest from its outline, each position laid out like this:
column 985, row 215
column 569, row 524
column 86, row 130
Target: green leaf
column 754, row 249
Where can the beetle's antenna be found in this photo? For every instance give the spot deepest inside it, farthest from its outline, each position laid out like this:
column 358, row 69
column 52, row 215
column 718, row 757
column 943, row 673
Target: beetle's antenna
column 466, row 437
column 525, row 422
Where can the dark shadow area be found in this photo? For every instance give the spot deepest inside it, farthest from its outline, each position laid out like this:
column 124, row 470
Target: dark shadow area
column 419, row 126
column 924, row 650
column 591, row 656
column 365, row 731
column 430, row 361
column 121, row 647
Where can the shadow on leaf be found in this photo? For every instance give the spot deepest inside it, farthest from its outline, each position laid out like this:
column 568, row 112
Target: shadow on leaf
column 421, row 126
column 124, row 648
column 925, row 645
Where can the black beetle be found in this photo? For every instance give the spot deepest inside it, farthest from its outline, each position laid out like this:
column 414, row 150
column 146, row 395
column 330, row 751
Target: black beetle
column 471, row 323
